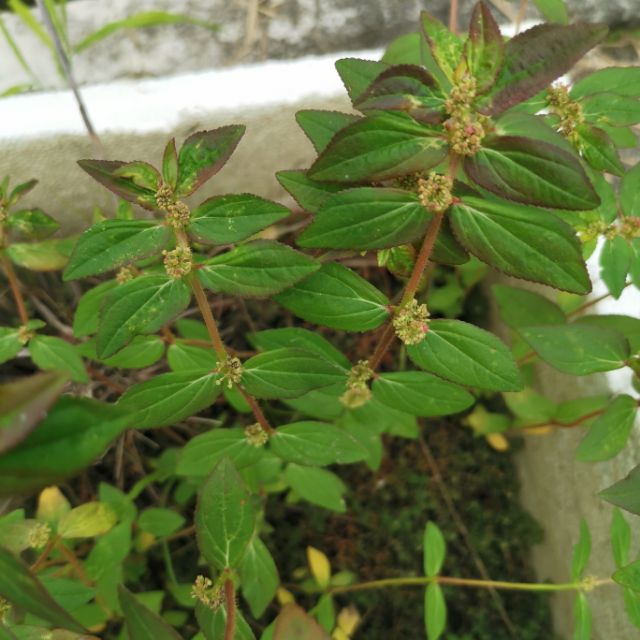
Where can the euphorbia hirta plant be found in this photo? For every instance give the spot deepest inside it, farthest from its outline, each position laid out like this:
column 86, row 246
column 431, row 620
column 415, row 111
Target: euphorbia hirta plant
column 460, row 151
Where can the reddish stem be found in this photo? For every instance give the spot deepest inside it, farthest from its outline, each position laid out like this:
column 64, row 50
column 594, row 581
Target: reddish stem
column 230, row 597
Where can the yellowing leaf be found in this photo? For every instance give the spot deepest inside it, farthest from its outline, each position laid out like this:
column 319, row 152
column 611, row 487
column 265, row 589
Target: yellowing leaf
column 284, row 596
column 319, row 566
column 52, row 505
column 348, row 620
column 87, row 520
column 498, row 441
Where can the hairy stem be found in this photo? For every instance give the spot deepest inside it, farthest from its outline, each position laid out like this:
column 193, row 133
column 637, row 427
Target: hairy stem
column 257, row 411
column 15, row 288
column 585, row 585
column 209, row 320
column 230, row 598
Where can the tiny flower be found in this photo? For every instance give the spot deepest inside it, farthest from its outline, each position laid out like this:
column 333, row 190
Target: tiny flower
column 411, row 322
column 230, row 371
column 256, row 436
column 210, row 594
column 39, row 535
column 357, row 392
column 124, row 275
column 435, row 192
column 178, row 214
column 25, row 334
column 164, row 197
column 177, row 263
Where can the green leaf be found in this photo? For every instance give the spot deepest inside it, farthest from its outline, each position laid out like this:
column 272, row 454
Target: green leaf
column 612, row 109
column 445, row 46
column 435, row 611
column 231, row 218
column 317, row 486
column 578, row 349
column 225, row 517
column 521, row 124
column 201, row 454
column 213, row 624
column 140, row 306
column 142, row 623
column 630, row 192
column 420, row 394
column 629, row 576
column 30, row 21
column 10, row 344
column 293, row 623
column 336, row 297
column 74, row 433
column 367, row 218
column 582, row 616
column 258, row 577
column 383, row 146
column 160, row 522
column 203, row 154
column 536, row 57
column 610, row 432
column 142, row 351
column 624, row 81
column 484, row 50
column 315, row 444
column 55, row 354
column 187, row 357
column 169, row 398
column 615, row 261
column 553, row 10
column 598, row 149
column 404, row 50
column 521, row 241
column 309, row 194
column 48, row 255
column 626, row 325
column 405, row 87
column 31, row 224
column 620, row 538
column 135, row 182
column 297, row 338
column 24, row 403
column 288, row 373
column 321, row 126
column 141, row 20
column 257, row 269
column 113, row 243
column 170, row 164
column 581, row 553
column 626, row 492
column 434, row 549
column 358, row 74
column 85, row 320
column 87, row 521
column 19, row 586
column 466, row 354
column 531, row 172
column 522, row 308
column 632, row 606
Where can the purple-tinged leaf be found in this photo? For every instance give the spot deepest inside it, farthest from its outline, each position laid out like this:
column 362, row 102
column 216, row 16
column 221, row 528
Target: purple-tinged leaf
column 357, row 74
column 445, row 46
column 136, row 182
column 23, row 404
column 293, row 623
column 484, row 50
column 404, row 87
column 532, row 172
column 380, row 147
column 20, row 191
column 203, row 154
column 536, row 57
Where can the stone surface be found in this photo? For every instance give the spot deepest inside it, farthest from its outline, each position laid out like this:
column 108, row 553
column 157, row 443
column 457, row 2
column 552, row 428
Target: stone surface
column 249, row 31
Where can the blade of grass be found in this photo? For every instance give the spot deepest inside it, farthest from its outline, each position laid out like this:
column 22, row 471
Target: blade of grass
column 138, row 21
column 13, row 45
